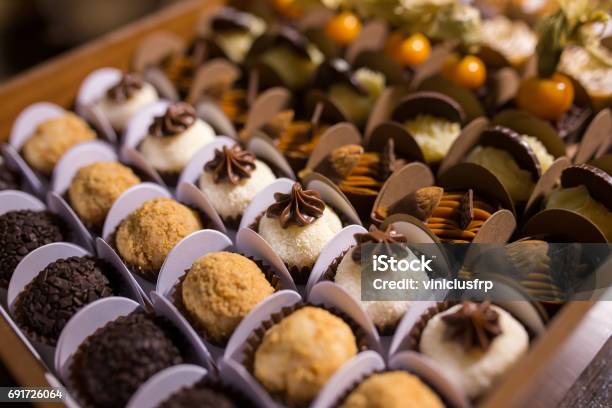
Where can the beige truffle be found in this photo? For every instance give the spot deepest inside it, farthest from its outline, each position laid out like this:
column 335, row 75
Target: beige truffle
column 95, row 188
column 220, row 289
column 299, row 354
column 54, row 137
column 147, row 235
column 392, row 389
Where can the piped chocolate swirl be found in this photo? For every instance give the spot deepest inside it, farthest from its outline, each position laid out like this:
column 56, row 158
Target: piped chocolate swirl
column 473, row 325
column 381, row 239
column 231, row 164
column 299, row 207
column 178, row 118
column 126, row 88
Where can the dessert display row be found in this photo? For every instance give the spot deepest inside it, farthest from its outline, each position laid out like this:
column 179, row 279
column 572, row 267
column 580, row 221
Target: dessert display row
column 191, row 232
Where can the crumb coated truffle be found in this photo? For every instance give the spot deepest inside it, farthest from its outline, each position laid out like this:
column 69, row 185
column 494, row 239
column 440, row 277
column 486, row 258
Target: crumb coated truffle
column 113, row 362
column 21, row 232
column 392, row 389
column 204, row 395
column 300, row 353
column 59, row 291
column 95, row 188
column 147, row 235
column 220, row 289
column 54, row 137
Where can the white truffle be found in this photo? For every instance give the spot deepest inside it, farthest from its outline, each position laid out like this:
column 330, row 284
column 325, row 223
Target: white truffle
column 120, row 113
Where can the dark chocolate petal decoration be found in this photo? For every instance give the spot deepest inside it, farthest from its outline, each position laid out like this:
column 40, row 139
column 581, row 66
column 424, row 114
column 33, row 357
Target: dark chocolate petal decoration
column 381, row 238
column 231, row 164
column 300, row 207
column 178, row 118
column 473, row 325
column 126, row 87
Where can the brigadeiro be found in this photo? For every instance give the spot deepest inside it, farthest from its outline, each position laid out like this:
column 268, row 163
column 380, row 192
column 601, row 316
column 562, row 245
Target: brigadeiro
column 110, row 365
column 21, row 232
column 206, row 394
column 60, row 290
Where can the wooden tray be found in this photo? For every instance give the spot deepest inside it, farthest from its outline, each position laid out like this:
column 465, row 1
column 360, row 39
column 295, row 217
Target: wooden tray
column 541, row 379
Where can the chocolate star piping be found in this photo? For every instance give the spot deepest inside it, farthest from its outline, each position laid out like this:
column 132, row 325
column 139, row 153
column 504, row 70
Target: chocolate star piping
column 125, row 88
column 384, row 238
column 300, row 207
column 231, row 164
column 178, row 118
column 473, row 325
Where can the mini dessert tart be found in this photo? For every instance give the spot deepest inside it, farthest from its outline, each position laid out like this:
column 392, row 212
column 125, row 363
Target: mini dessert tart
column 353, row 92
column 60, row 290
column 233, row 33
column 516, row 160
column 587, row 190
column 231, row 180
column 360, row 174
column 515, row 40
column 392, row 389
column 300, row 353
column 473, row 343
column 206, row 393
column 433, row 120
column 453, row 216
column 125, row 98
column 23, row 231
column 174, row 138
column 297, row 227
column 219, row 290
column 95, row 188
column 9, row 180
column 296, row 139
column 593, row 75
column 54, row 137
column 289, row 55
column 121, row 356
column 148, row 234
column 347, row 271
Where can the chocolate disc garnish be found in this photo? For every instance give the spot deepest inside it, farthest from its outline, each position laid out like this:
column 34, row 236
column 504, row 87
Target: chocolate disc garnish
column 229, row 19
column 428, row 103
column 419, row 204
column 466, row 209
column 294, row 39
column 597, row 181
column 336, row 71
column 508, row 140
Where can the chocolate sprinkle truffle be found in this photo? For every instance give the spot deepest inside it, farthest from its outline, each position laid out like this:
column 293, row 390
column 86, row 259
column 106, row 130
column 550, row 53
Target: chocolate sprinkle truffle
column 21, row 232
column 113, row 362
column 59, row 291
column 205, row 394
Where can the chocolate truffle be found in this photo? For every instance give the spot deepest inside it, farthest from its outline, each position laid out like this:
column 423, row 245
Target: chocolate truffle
column 220, row 289
column 95, row 188
column 9, row 180
column 125, row 98
column 147, row 235
column 175, row 137
column 474, row 344
column 298, row 225
column 21, row 232
column 116, row 359
column 231, row 180
column 60, row 290
column 300, row 353
column 392, row 389
column 204, row 394
column 54, row 137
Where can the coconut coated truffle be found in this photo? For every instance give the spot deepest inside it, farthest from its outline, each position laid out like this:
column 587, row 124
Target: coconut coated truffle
column 95, row 188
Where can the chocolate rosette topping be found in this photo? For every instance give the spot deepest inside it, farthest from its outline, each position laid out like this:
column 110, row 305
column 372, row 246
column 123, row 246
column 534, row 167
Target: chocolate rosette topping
column 125, row 88
column 300, row 207
column 231, row 164
column 178, row 118
column 473, row 325
column 382, row 241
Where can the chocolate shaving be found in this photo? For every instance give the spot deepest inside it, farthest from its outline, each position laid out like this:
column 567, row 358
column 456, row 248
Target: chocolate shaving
column 231, row 164
column 126, row 87
column 473, row 325
column 388, row 159
column 178, row 118
column 466, row 209
column 379, row 237
column 300, row 207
